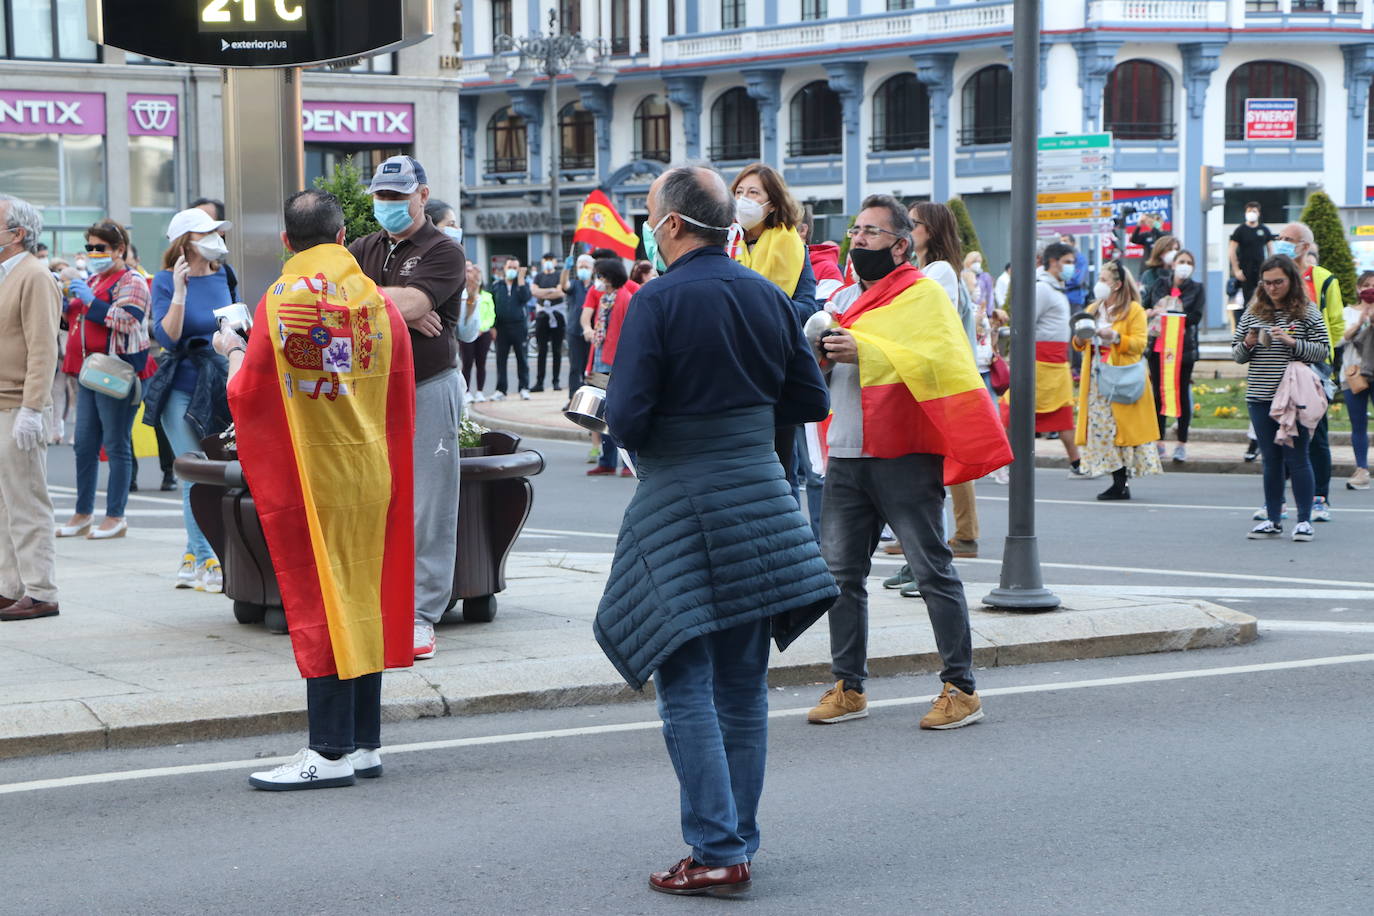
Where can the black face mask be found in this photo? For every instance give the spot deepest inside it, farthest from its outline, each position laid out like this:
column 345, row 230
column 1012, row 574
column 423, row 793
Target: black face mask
column 872, row 264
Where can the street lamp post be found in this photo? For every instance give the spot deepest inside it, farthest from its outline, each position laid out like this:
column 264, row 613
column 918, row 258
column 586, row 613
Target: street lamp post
column 552, row 55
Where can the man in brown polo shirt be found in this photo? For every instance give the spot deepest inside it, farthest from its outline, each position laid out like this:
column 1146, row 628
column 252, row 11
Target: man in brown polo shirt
column 29, row 308
column 424, row 272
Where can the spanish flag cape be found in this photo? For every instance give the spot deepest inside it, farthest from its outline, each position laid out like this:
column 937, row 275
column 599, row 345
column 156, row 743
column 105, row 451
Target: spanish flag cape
column 601, row 226
column 920, row 388
column 324, row 407
column 778, row 255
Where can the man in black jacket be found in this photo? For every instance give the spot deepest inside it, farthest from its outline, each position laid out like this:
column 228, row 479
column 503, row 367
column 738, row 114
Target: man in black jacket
column 511, row 292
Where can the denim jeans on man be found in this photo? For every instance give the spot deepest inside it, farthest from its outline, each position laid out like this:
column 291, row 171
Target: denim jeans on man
column 1277, row 459
column 908, row 493
column 1358, row 407
column 344, row 715
column 183, row 439
column 103, row 421
column 713, row 700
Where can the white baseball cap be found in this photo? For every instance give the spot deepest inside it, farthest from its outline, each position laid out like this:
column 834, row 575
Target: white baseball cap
column 194, row 220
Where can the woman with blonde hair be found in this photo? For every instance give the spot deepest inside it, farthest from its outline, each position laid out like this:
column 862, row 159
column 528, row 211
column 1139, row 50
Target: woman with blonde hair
column 1117, row 438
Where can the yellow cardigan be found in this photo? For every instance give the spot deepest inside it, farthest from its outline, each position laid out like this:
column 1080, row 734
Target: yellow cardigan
column 1136, row 424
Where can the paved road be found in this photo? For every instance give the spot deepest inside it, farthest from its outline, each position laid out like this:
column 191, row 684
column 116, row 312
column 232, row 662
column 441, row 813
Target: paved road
column 1182, row 534
column 1181, row 785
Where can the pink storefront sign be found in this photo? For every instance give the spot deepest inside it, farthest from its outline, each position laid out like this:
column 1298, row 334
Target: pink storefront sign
column 153, row 115
column 23, row 112
column 375, row 123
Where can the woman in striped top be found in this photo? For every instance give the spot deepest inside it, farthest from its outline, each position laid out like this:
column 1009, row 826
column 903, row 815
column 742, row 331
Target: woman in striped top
column 1280, row 326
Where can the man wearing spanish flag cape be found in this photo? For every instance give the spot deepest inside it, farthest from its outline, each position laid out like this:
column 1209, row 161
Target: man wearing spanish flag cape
column 910, row 415
column 323, row 400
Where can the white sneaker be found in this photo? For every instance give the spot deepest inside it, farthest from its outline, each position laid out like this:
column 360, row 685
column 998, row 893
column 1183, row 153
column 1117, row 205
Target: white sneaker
column 367, row 763
column 210, row 577
column 479, row 397
column 1180, row 453
column 524, row 394
column 1303, row 531
column 186, row 575
column 498, row 396
column 307, row 770
column 1262, row 514
column 1267, row 529
column 424, row 639
column 1001, row 476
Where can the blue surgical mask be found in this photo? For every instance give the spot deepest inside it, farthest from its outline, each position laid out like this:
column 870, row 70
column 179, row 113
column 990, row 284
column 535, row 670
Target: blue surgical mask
column 1283, row 246
column 99, row 265
column 454, row 233
column 392, row 215
column 651, row 246
column 584, row 274
column 511, row 273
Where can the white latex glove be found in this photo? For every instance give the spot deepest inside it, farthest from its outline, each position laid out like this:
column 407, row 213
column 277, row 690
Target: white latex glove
column 28, row 428
column 226, row 339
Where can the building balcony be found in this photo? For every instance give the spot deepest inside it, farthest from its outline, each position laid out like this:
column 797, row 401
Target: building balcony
column 983, row 159
column 842, row 34
column 1207, row 14
column 1274, row 156
column 1146, row 155
column 734, row 152
column 1136, row 13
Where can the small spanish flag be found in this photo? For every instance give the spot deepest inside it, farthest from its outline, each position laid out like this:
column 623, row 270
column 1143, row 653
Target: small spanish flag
column 600, row 226
column 920, row 388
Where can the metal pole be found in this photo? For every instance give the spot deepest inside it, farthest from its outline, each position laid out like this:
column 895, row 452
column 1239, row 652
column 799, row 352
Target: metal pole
column 556, row 147
column 1021, row 587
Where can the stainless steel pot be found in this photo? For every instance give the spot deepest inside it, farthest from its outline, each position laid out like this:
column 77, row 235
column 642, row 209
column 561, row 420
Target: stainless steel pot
column 814, row 329
column 587, row 408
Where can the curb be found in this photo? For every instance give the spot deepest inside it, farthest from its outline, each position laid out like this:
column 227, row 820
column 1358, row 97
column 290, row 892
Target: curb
column 286, row 711
column 530, row 430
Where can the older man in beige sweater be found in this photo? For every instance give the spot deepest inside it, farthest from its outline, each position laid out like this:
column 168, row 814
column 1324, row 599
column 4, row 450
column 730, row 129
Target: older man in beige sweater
column 29, row 309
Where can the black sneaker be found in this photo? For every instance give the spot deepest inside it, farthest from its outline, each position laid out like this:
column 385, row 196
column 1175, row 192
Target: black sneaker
column 537, row 388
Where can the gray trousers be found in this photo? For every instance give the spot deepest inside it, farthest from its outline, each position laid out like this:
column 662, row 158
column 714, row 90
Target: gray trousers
column 27, row 551
column 438, row 412
column 908, row 494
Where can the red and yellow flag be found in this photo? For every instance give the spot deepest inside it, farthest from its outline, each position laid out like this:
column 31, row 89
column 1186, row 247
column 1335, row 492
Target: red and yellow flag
column 324, row 407
column 1170, row 345
column 921, row 391
column 600, row 226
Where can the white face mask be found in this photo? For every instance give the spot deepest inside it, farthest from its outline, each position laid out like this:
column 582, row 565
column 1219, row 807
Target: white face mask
column 1101, row 291
column 1252, row 216
column 1168, row 257
column 211, row 248
column 749, row 213
column 599, row 285
column 79, row 263
column 976, row 267
column 1183, row 271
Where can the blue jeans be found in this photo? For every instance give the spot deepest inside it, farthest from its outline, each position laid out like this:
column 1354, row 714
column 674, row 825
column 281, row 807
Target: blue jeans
column 1358, row 405
column 183, row 439
column 1278, row 458
column 713, row 699
column 103, row 421
column 344, row 715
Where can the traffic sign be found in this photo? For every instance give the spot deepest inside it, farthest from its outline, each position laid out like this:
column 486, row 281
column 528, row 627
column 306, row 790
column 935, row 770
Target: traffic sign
column 1073, row 197
column 1074, row 183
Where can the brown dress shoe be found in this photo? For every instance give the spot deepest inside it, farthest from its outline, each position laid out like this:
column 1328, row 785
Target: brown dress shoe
column 6, row 602
column 27, row 608
column 690, row 878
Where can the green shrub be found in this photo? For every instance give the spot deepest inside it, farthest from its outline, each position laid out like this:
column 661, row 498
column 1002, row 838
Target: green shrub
column 1322, row 217
column 346, row 183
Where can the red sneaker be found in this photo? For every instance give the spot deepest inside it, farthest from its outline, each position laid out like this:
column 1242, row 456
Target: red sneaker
column 600, row 471
column 626, row 472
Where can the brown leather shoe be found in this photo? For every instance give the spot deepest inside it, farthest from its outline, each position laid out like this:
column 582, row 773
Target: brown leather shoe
column 689, row 878
column 6, row 602
column 27, row 608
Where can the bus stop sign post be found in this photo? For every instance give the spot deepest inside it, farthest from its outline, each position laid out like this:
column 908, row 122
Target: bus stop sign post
column 261, row 46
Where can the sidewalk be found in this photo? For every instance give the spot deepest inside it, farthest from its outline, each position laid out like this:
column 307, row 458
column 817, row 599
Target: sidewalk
column 1211, row 451
column 131, row 661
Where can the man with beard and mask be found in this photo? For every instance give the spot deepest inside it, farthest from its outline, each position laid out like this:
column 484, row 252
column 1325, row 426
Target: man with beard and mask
column 910, row 415
column 423, row 271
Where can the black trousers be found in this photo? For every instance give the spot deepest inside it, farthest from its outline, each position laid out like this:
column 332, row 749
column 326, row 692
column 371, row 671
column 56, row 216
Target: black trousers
column 578, row 351
column 549, row 333
column 1185, row 383
column 344, row 715
column 512, row 338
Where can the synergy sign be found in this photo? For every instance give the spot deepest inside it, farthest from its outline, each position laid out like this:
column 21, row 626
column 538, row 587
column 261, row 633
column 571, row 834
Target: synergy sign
column 1271, row 119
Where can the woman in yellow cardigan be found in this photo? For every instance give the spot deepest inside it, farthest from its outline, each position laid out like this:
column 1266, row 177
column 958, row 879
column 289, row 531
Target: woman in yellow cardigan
column 1117, row 438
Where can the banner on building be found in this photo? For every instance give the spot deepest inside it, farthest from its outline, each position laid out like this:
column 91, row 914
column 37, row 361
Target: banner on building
column 381, row 124
column 600, row 226
column 1129, row 205
column 24, row 112
column 1271, row 119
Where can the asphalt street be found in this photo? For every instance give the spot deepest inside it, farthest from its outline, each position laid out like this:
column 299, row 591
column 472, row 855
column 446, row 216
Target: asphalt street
column 1220, row 782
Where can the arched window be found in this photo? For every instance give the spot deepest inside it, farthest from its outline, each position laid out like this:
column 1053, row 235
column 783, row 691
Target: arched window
column 1272, row 79
column 817, row 124
column 506, row 142
column 653, row 137
column 577, row 130
column 734, row 126
column 987, row 107
column 901, row 114
column 1139, row 102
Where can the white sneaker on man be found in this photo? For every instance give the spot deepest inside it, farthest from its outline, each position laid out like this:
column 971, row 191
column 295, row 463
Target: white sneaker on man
column 524, row 394
column 367, row 763
column 479, row 397
column 306, row 770
column 424, row 639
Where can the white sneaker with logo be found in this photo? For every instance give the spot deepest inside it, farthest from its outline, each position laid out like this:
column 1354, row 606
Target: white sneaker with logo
column 306, row 770
column 210, row 578
column 424, row 639
column 186, row 575
column 367, row 763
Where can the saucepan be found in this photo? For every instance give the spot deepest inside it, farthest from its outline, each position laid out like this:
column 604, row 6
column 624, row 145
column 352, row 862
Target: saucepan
column 1084, row 326
column 816, row 328
column 587, row 408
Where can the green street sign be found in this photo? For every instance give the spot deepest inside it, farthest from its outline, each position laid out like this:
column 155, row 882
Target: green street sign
column 1074, row 142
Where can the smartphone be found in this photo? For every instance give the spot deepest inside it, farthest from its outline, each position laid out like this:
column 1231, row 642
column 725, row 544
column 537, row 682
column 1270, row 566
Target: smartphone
column 235, row 315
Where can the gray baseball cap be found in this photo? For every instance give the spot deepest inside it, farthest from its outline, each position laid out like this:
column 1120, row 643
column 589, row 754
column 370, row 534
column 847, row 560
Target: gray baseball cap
column 401, row 174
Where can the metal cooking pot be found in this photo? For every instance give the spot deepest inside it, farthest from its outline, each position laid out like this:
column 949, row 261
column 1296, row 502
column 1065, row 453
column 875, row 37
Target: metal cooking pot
column 587, row 408
column 1084, row 326
column 814, row 330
